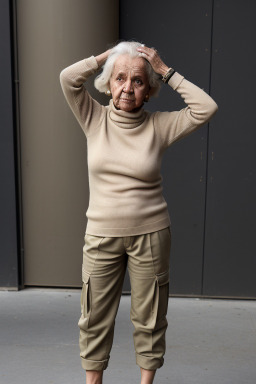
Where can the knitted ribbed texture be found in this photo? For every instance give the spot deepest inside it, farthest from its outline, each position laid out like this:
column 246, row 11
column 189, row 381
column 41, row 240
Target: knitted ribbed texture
column 125, row 151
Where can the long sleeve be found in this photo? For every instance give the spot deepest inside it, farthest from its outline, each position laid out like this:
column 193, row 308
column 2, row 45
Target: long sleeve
column 173, row 126
column 87, row 111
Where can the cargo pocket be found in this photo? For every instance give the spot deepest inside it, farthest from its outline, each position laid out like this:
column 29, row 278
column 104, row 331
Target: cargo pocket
column 161, row 294
column 85, row 301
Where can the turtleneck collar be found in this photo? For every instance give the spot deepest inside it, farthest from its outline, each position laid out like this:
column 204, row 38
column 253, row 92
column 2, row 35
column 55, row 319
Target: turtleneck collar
column 126, row 119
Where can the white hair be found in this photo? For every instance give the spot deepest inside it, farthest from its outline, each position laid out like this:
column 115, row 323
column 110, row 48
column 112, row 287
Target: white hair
column 101, row 82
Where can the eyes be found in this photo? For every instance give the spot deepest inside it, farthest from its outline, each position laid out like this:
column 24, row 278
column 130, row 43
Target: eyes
column 136, row 81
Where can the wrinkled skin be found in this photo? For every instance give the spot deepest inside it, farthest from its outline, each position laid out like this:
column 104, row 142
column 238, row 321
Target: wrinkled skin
column 129, row 83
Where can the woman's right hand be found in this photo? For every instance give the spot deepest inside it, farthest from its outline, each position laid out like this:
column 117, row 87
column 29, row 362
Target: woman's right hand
column 101, row 59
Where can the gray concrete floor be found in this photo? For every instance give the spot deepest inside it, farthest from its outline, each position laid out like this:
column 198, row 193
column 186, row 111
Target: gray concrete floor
column 208, row 341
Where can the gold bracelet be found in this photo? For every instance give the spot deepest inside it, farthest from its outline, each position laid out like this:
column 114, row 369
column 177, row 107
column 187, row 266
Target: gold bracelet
column 168, row 75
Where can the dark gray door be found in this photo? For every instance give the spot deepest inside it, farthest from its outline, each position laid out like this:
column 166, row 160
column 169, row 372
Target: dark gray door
column 230, row 251
column 181, row 32
column 9, row 264
column 209, row 177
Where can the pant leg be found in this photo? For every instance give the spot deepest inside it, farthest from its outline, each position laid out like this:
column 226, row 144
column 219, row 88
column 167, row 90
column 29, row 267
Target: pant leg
column 104, row 264
column 148, row 264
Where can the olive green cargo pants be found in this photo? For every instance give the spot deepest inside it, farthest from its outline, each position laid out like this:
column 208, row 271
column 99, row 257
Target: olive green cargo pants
column 103, row 271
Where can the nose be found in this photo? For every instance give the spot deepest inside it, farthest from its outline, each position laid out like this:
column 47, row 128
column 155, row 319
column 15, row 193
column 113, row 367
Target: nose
column 128, row 88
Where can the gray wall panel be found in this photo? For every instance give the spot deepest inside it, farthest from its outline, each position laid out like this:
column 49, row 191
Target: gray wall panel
column 51, row 36
column 8, row 230
column 230, row 252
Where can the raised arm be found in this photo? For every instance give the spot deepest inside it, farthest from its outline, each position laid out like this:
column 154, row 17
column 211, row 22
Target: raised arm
column 173, row 126
column 87, row 111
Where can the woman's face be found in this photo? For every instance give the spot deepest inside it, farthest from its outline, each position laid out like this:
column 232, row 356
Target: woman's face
column 129, row 83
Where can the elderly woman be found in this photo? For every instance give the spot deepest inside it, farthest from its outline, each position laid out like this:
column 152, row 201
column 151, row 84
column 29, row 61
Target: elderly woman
column 128, row 220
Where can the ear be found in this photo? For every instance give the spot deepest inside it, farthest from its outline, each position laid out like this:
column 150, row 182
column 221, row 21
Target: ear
column 151, row 91
column 146, row 98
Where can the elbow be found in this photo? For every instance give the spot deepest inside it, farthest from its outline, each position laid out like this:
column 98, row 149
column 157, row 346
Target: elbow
column 64, row 81
column 213, row 108
column 62, row 77
column 65, row 78
column 205, row 114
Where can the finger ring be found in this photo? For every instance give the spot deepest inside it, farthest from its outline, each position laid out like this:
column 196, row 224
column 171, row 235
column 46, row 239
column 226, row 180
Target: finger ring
column 142, row 45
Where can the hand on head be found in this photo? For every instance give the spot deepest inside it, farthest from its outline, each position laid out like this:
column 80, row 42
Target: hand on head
column 152, row 56
column 130, row 74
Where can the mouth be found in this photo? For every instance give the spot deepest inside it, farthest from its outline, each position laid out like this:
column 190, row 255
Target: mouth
column 126, row 100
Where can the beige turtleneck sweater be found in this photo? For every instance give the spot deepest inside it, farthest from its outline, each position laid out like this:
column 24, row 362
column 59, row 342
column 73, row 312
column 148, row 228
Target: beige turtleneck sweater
column 125, row 150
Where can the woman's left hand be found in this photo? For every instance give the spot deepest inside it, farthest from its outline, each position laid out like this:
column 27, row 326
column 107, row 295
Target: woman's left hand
column 154, row 59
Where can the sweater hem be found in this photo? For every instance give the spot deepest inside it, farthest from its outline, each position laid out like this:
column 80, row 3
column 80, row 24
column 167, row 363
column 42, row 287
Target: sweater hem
column 128, row 231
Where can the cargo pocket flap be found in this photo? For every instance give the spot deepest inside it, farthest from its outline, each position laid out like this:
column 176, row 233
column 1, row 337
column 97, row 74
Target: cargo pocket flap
column 85, row 276
column 85, row 298
column 163, row 278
